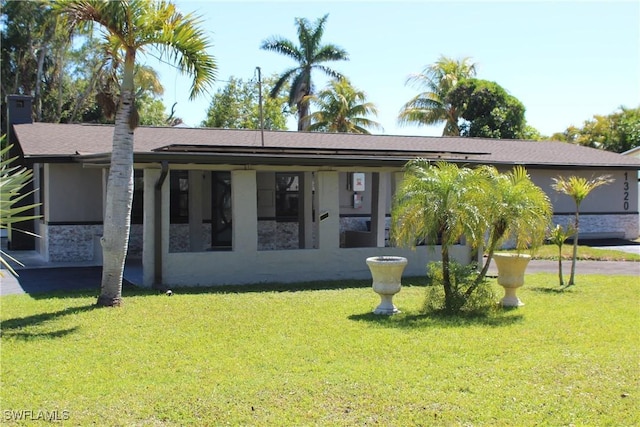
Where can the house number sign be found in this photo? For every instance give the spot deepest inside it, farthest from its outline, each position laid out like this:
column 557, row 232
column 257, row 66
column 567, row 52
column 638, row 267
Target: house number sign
column 625, row 187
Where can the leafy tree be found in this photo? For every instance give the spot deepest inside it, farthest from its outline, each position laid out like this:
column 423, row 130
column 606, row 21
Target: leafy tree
column 237, row 106
column 13, row 179
column 32, row 52
column 488, row 110
column 617, row 132
column 130, row 27
column 309, row 55
column 578, row 188
column 342, row 108
column 532, row 134
column 432, row 106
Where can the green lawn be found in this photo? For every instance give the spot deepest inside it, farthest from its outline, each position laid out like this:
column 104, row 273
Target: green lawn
column 317, row 356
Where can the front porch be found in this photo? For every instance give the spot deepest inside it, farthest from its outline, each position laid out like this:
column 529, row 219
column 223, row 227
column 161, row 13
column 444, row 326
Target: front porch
column 318, row 251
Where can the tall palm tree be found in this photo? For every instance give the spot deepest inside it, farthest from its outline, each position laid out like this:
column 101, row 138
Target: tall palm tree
column 342, row 108
column 431, row 107
column 309, row 55
column 440, row 201
column 578, row 188
column 132, row 26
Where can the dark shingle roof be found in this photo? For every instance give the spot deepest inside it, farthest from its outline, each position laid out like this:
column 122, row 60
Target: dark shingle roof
column 68, row 140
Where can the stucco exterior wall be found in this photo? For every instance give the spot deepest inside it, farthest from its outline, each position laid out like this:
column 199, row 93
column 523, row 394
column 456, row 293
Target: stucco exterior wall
column 73, row 194
column 219, row 268
column 614, row 198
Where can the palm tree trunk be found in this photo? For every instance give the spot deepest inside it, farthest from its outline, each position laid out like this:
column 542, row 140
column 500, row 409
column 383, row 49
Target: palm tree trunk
column 37, row 92
column 560, row 266
column 575, row 250
column 449, row 302
column 118, row 207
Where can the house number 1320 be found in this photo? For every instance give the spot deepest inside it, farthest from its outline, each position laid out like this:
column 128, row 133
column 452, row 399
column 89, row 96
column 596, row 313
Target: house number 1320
column 625, row 187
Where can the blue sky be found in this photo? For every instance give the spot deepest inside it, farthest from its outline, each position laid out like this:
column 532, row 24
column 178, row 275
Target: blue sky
column 565, row 61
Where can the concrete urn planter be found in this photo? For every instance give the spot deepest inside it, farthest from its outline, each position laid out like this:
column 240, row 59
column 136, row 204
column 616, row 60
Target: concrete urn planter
column 386, row 272
column 511, row 268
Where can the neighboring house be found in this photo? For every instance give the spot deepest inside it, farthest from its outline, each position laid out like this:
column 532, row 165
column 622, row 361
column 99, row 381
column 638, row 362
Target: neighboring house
column 635, row 152
column 214, row 206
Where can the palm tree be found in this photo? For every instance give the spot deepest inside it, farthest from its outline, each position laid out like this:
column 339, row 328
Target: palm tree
column 342, row 108
column 310, row 55
column 578, row 188
column 430, row 107
column 440, row 201
column 557, row 236
column 130, row 27
column 517, row 209
column 13, row 179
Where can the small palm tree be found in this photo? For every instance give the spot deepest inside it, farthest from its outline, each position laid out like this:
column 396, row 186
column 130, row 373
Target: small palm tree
column 342, row 108
column 310, row 55
column 578, row 188
column 558, row 236
column 431, row 107
column 129, row 27
column 517, row 209
column 440, row 202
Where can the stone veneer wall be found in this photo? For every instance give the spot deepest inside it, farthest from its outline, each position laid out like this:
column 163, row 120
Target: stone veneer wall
column 72, row 243
column 78, row 243
column 179, row 237
column 274, row 235
column 625, row 226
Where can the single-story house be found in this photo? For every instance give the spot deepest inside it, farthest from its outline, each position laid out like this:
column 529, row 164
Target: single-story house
column 218, row 206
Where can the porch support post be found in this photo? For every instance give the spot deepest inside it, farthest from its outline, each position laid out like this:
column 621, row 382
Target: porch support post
column 244, row 206
column 328, row 210
column 307, row 210
column 195, row 211
column 379, row 187
column 154, row 219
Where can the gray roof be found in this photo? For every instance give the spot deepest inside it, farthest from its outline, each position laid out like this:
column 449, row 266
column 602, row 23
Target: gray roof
column 82, row 142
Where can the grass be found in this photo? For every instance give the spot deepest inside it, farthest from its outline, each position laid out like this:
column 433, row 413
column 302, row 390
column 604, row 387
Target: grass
column 316, row 355
column 550, row 252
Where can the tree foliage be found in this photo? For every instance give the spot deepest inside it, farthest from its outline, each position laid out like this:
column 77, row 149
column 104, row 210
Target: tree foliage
column 72, row 77
column 129, row 28
column 33, row 58
column 441, row 203
column 309, row 55
column 342, row 108
column 237, row 106
column 432, row 106
column 488, row 110
column 13, row 179
column 617, row 132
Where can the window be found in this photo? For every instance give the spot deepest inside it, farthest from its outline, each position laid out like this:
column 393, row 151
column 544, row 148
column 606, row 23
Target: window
column 179, row 197
column 287, row 197
column 137, row 209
